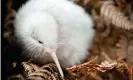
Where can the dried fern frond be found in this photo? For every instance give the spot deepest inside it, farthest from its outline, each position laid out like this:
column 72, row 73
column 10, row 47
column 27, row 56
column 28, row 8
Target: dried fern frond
column 105, row 68
column 113, row 16
column 46, row 72
column 94, row 67
column 110, row 13
column 85, row 71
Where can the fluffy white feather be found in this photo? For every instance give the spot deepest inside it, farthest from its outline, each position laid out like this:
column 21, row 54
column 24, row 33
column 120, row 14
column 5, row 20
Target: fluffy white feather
column 60, row 26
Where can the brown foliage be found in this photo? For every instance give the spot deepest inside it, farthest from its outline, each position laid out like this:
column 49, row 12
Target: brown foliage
column 112, row 44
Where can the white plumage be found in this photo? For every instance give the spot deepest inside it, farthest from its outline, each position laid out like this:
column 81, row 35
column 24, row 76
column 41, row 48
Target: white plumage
column 54, row 27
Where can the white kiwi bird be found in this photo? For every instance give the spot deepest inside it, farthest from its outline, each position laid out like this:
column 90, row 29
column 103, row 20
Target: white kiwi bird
column 54, row 31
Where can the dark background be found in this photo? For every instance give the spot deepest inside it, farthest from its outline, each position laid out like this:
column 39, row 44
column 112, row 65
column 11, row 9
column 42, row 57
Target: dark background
column 10, row 51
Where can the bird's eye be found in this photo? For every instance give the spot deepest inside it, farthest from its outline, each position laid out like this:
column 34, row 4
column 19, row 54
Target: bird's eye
column 40, row 42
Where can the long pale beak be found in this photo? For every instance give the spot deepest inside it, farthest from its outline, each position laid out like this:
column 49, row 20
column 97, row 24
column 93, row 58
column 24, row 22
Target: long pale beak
column 54, row 57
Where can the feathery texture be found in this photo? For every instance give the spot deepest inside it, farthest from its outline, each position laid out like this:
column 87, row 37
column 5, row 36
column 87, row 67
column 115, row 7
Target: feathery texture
column 112, row 15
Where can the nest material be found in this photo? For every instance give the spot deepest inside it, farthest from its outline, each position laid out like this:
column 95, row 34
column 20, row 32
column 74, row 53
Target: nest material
column 89, row 70
column 33, row 72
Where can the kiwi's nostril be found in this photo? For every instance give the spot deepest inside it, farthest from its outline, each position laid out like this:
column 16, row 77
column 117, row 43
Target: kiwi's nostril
column 40, row 42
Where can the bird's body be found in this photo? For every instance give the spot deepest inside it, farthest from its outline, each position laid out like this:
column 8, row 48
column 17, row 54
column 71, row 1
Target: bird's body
column 54, row 26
